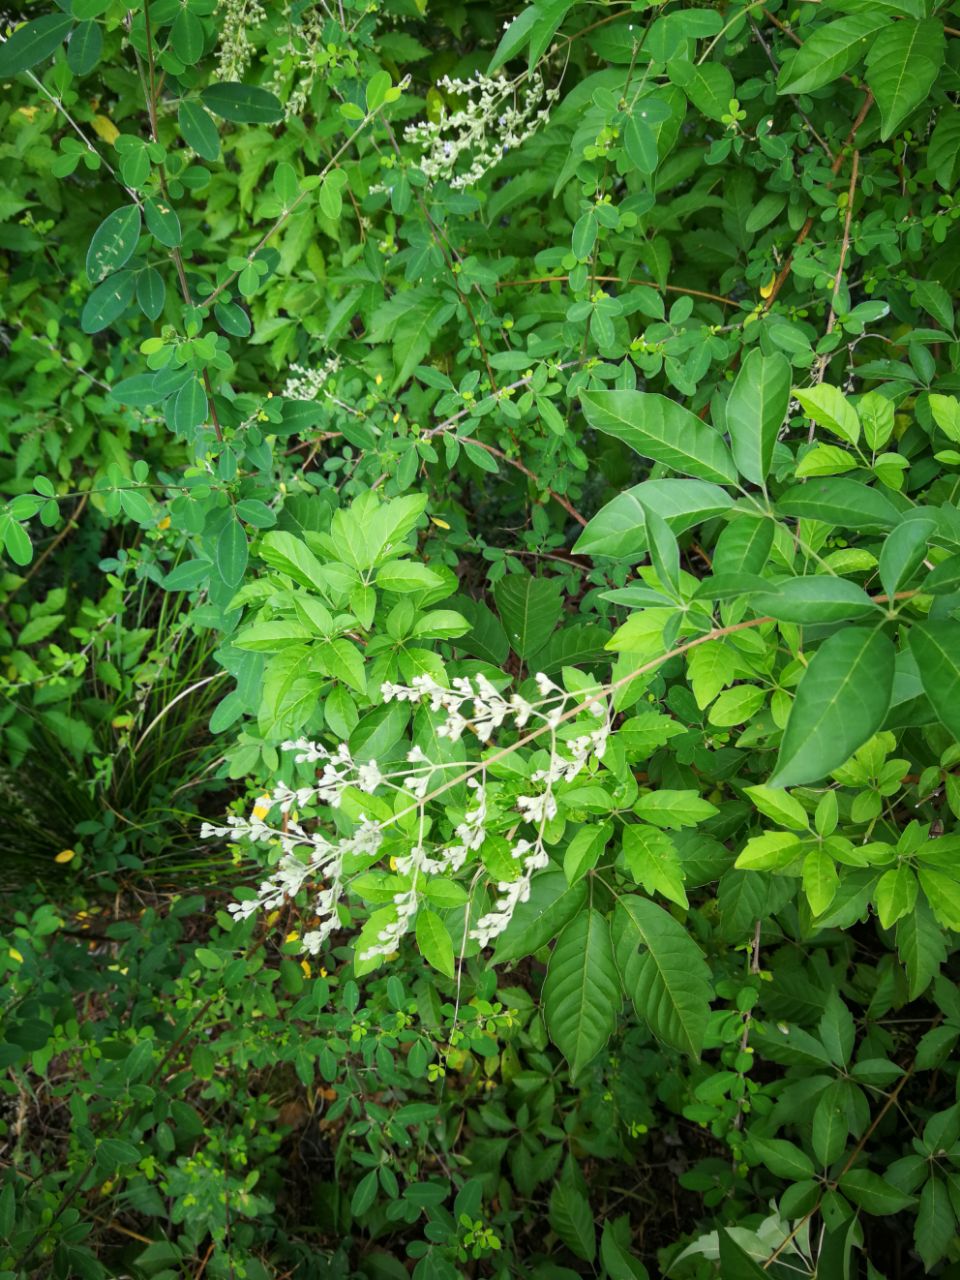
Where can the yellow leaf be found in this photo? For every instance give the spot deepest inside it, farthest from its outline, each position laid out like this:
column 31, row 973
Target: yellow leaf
column 292, row 936
column 767, row 289
column 65, row 855
column 441, row 524
column 29, row 112
column 164, row 523
column 104, row 128
column 14, row 954
column 305, row 966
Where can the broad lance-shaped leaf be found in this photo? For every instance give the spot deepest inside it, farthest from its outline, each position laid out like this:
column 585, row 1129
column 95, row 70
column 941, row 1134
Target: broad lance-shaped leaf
column 664, row 973
column 818, row 598
column 619, row 530
column 530, row 609
column 33, row 42
column 755, row 411
column 581, row 996
column 842, row 502
column 936, row 647
column 830, row 52
column 841, row 701
column 662, row 430
column 902, row 66
column 113, row 242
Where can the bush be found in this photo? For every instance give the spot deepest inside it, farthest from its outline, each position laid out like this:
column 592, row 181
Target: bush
column 480, row 605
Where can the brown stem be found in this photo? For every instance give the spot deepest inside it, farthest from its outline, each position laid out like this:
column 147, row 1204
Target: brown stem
column 854, row 1156
column 647, row 284
column 805, row 230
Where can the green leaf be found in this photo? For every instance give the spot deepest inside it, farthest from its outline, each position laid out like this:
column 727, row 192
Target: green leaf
column 186, row 37
column 652, row 860
column 708, row 85
column 735, row 1264
column 16, row 541
column 434, row 941
column 163, row 223
column 619, row 528
column 33, row 42
column 242, row 103
column 921, row 946
column 113, row 1153
column 551, row 905
column 841, row 701
column 84, row 48
column 530, row 608
column 839, row 501
column 830, row 52
column 408, row 320
column 113, row 242
column 232, row 552
column 785, row 810
column 581, row 994
column 895, row 895
column 151, row 293
column 403, row 576
column 936, row 646
column 674, row 809
column 108, row 301
column 829, row 408
column 936, row 1223
column 667, row 979
column 618, row 1262
column 199, row 130
column 571, row 1218
column 190, row 407
column 903, row 552
column 584, row 849
column 377, row 87
column 662, row 430
column 902, row 67
column 640, row 142
column 830, row 1123
column 755, row 410
column 514, row 38
column 293, row 557
column 744, row 545
column 874, row 1194
column 818, row 598
column 783, row 1159
column 820, row 880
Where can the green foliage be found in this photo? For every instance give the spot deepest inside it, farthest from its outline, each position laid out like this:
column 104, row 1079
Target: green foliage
column 494, row 473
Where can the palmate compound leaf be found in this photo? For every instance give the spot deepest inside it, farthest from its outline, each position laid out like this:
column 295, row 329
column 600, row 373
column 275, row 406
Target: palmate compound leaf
column 841, row 701
column 664, row 973
column 582, row 996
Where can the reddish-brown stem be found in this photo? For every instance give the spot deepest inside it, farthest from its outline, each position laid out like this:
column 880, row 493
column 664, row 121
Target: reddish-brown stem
column 807, row 227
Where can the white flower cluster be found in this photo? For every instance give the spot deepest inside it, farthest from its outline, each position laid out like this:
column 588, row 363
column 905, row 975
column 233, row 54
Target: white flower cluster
column 496, row 117
column 470, row 704
column 305, row 384
column 236, row 18
column 301, row 57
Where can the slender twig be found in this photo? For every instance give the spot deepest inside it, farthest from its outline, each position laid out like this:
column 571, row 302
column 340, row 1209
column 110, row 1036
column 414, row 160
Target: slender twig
column 70, row 525
column 647, row 284
column 854, row 1156
column 287, row 213
column 845, row 244
column 807, row 227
